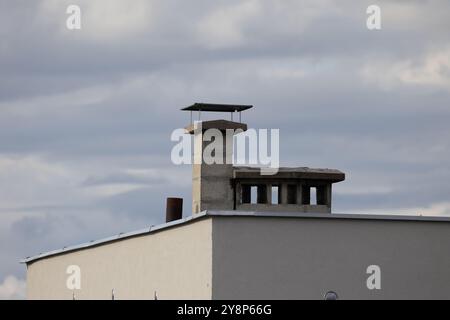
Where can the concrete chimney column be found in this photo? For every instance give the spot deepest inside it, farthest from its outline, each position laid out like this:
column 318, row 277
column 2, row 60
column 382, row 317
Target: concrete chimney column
column 211, row 180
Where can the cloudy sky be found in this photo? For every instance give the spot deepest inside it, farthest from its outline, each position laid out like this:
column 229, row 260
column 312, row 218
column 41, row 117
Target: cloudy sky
column 86, row 115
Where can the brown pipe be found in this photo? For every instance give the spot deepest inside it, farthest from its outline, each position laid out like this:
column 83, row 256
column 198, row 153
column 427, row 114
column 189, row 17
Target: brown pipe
column 174, row 209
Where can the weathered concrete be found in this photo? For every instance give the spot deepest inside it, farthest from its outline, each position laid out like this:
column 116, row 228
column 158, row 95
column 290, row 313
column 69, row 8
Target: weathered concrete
column 211, row 183
column 220, row 186
column 299, row 198
column 331, row 175
column 283, row 208
column 221, row 125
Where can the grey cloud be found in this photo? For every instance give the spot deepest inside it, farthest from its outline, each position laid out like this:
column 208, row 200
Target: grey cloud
column 101, row 102
column 122, row 178
column 146, row 204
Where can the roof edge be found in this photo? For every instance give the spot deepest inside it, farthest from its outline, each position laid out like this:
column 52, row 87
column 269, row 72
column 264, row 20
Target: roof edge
column 119, row 237
column 218, row 213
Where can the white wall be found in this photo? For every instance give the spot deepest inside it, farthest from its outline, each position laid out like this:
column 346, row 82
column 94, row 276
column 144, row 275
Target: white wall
column 175, row 262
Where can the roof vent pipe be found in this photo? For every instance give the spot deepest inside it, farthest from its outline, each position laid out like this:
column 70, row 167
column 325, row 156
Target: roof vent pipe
column 174, row 209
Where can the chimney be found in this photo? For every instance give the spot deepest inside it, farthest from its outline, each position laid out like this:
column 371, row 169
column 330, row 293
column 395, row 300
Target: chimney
column 174, row 209
column 211, row 183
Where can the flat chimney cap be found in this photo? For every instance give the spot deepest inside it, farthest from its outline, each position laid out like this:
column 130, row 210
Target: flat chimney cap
column 214, row 107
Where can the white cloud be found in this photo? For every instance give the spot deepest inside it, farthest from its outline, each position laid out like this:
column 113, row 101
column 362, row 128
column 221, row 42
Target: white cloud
column 400, row 14
column 117, row 18
column 433, row 71
column 109, row 20
column 253, row 21
column 223, row 27
column 112, row 189
column 12, row 288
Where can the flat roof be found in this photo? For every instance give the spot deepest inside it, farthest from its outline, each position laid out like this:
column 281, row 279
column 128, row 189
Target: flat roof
column 216, row 107
column 214, row 213
column 290, row 173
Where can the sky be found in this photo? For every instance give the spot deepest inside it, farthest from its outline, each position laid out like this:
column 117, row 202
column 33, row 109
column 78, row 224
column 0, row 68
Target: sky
column 86, row 115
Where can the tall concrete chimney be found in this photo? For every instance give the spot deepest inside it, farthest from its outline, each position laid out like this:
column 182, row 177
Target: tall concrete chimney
column 211, row 182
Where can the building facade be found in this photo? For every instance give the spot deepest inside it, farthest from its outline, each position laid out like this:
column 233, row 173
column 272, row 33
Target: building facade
column 254, row 236
column 244, row 255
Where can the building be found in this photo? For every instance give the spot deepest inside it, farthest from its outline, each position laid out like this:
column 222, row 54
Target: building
column 239, row 243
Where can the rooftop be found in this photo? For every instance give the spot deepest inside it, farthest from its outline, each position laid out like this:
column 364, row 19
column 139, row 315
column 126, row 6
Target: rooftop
column 201, row 215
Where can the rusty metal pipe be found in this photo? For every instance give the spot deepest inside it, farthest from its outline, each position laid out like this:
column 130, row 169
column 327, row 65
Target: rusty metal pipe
column 174, row 209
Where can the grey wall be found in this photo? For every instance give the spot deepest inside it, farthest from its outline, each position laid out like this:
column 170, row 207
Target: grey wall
column 292, row 258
